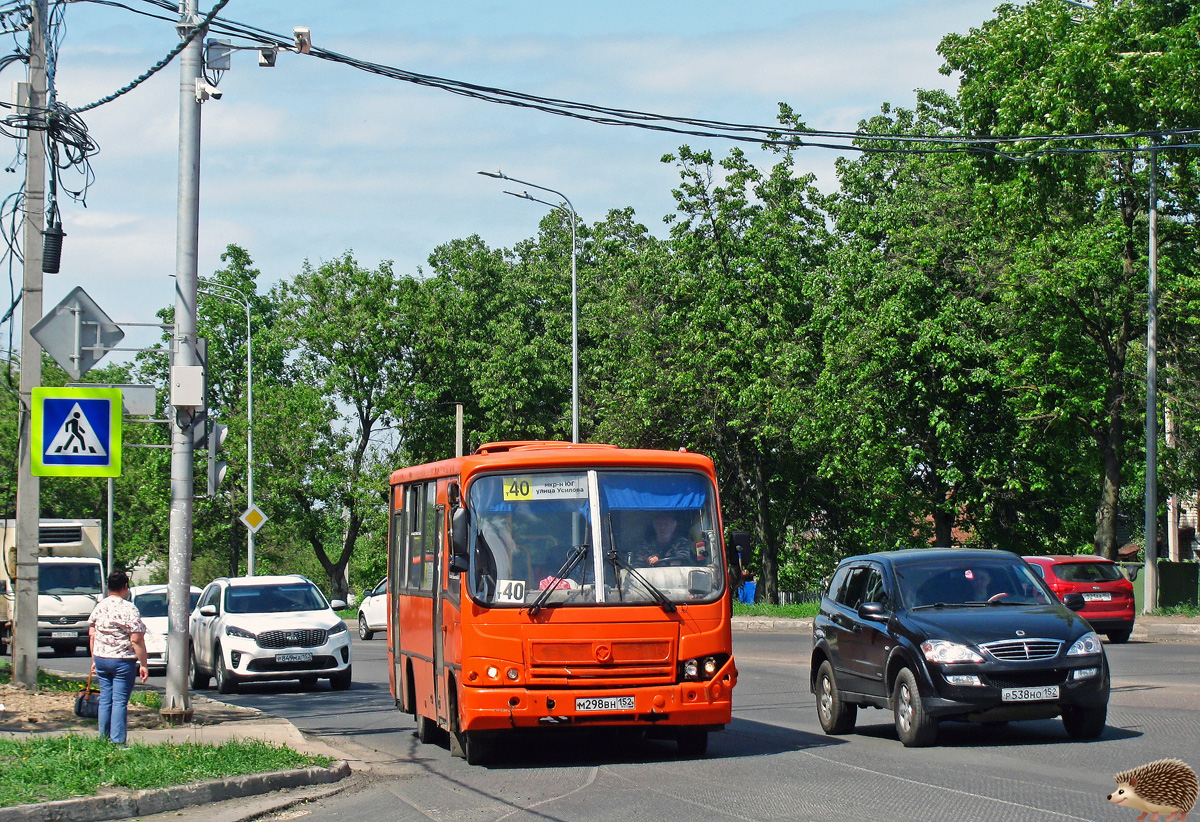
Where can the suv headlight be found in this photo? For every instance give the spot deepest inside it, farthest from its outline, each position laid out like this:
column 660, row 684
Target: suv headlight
column 338, row 628
column 946, row 652
column 1086, row 645
column 233, row 630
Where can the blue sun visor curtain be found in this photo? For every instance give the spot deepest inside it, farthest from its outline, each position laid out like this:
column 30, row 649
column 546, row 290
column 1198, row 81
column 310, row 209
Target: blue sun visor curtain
column 633, row 491
column 646, row 491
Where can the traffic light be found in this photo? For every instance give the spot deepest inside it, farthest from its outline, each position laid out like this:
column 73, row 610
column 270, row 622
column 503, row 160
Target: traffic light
column 216, row 468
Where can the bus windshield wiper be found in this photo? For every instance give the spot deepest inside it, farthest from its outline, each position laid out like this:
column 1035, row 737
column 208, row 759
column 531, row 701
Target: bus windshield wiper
column 577, row 554
column 663, row 601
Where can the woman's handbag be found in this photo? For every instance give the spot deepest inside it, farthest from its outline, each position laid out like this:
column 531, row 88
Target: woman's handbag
column 87, row 704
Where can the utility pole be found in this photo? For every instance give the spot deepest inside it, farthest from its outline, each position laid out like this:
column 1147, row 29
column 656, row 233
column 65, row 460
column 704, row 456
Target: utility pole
column 24, row 654
column 177, row 707
column 1150, row 599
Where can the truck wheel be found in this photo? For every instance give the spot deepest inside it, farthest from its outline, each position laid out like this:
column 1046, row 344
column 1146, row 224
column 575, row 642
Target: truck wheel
column 226, row 681
column 915, row 727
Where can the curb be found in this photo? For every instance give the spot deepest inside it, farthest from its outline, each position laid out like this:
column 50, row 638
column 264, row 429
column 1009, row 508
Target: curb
column 161, row 800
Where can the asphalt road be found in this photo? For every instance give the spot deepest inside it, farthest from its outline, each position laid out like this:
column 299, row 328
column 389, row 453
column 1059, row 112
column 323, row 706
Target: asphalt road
column 773, row 762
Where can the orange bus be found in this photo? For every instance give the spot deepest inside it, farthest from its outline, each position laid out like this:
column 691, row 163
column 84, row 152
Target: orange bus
column 548, row 584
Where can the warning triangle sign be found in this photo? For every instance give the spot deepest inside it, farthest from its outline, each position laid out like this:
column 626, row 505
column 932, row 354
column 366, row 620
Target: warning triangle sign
column 76, row 436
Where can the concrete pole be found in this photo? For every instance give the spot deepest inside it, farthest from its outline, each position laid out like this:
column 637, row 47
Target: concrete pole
column 176, row 706
column 25, row 606
column 458, row 429
column 108, row 568
column 1150, row 599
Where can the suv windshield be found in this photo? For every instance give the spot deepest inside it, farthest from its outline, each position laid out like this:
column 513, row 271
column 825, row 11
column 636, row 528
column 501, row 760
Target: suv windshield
column 67, row 578
column 646, row 536
column 273, row 599
column 969, row 581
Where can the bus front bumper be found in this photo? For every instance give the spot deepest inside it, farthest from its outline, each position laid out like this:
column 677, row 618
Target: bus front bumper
column 708, row 703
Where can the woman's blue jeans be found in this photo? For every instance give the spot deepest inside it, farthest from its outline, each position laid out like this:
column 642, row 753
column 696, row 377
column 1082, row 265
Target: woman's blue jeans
column 116, row 684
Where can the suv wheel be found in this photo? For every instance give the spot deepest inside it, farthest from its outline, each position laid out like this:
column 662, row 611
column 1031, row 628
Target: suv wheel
column 226, row 681
column 199, row 679
column 341, row 680
column 836, row 716
column 915, row 727
column 1117, row 637
column 363, row 631
column 1085, row 723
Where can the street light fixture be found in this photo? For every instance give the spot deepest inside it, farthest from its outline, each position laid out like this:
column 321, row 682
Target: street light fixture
column 244, row 301
column 569, row 209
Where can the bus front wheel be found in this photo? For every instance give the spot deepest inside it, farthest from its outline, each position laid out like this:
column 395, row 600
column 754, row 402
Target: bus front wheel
column 692, row 742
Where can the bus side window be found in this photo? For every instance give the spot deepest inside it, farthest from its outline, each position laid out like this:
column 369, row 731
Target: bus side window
column 414, row 547
column 430, row 535
column 399, row 570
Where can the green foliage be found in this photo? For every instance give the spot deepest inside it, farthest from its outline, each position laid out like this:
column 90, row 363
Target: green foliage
column 58, row 767
column 806, row 610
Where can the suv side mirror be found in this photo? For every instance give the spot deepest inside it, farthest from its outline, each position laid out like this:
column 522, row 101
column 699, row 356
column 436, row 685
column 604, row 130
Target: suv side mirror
column 337, row 604
column 459, row 523
column 1074, row 601
column 873, row 610
column 211, row 610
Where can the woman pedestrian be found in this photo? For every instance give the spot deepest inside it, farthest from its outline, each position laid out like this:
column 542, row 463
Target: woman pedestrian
column 117, row 640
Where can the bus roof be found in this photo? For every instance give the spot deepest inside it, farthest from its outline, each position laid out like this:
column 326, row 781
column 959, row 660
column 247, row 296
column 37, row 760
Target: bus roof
column 542, row 454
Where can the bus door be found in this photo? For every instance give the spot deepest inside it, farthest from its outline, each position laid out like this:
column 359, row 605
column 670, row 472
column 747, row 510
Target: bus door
column 449, row 605
column 397, row 581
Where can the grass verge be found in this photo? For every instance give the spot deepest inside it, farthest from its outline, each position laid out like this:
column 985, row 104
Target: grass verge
column 761, row 609
column 46, row 682
column 59, row 767
column 1178, row 610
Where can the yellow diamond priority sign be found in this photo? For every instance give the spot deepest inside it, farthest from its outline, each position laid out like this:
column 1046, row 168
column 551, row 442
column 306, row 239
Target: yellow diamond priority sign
column 253, row 518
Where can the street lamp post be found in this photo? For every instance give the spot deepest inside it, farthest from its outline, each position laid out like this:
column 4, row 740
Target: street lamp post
column 570, row 209
column 244, row 301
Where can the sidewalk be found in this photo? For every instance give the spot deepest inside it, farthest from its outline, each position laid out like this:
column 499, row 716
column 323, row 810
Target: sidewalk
column 1145, row 628
column 270, row 792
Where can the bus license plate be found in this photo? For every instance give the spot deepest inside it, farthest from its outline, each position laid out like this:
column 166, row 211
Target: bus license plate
column 64, row 635
column 293, row 657
column 1029, row 694
column 604, row 703
column 1098, row 597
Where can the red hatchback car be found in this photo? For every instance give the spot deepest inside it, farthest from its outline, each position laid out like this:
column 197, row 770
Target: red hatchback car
column 1107, row 595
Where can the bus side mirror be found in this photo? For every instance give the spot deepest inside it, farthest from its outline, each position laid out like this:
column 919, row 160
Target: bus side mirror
column 740, row 542
column 461, row 560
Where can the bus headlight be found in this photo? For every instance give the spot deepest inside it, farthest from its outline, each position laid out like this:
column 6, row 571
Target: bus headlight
column 702, row 667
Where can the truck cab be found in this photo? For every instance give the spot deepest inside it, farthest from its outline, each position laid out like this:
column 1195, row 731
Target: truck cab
column 70, row 581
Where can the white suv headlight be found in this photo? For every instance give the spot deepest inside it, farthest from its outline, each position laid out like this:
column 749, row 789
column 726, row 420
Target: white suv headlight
column 1086, row 645
column 232, row 630
column 339, row 628
column 947, row 652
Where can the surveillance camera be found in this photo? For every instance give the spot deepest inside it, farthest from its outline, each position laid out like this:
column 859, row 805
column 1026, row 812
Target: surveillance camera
column 303, row 39
column 205, row 90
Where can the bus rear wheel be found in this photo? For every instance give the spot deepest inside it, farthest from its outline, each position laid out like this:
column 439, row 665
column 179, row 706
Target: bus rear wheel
column 427, row 730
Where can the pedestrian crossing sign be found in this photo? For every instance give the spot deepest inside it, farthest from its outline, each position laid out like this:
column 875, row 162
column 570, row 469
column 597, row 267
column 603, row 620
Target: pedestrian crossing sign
column 76, row 432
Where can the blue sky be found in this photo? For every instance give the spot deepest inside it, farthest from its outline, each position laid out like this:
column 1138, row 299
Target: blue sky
column 308, row 159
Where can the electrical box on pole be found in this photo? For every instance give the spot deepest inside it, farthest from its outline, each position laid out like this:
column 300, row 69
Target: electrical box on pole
column 216, row 468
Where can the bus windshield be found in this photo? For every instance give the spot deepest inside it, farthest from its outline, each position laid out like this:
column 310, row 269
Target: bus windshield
column 594, row 537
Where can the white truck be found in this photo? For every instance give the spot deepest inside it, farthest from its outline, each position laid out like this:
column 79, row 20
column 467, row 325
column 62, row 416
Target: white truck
column 70, row 581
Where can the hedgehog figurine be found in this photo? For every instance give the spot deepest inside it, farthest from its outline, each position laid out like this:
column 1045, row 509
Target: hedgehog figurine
column 1167, row 786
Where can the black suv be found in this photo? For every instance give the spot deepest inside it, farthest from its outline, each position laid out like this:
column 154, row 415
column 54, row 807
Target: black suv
column 956, row 634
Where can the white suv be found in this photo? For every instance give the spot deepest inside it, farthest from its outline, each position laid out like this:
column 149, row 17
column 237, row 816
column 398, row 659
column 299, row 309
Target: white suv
column 267, row 628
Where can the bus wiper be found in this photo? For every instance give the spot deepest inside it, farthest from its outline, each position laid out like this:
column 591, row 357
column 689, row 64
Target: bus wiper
column 577, row 554
column 663, row 601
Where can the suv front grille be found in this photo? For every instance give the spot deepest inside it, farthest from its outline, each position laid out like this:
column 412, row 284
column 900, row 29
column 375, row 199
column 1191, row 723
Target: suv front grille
column 1030, row 679
column 292, row 639
column 1024, row 650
